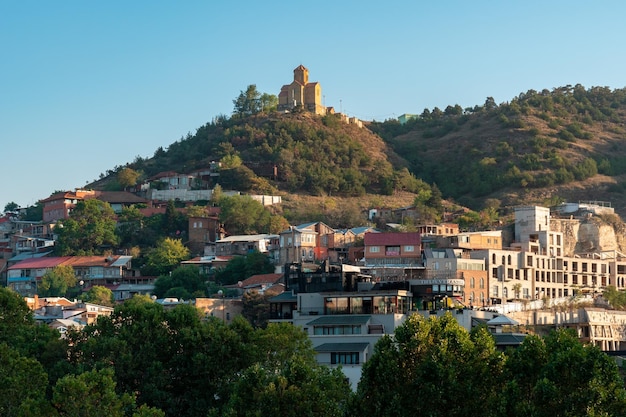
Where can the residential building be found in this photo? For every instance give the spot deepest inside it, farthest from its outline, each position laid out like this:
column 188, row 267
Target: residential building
column 111, row 271
column 392, row 255
column 308, row 242
column 245, row 244
column 59, row 205
column 203, row 231
column 345, row 311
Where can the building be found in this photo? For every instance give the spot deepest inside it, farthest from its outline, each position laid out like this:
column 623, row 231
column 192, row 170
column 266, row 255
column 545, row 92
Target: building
column 111, row 271
column 301, row 93
column 392, row 255
column 345, row 311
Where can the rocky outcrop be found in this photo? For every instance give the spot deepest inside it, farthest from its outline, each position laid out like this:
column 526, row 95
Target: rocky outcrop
column 590, row 234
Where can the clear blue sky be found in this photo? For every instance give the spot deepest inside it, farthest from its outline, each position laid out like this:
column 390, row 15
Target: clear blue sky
column 86, row 86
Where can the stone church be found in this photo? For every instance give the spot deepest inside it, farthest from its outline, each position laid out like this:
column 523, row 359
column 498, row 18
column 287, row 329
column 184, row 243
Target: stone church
column 301, row 92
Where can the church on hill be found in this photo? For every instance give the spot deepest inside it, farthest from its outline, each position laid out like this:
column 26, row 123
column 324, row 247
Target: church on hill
column 301, row 92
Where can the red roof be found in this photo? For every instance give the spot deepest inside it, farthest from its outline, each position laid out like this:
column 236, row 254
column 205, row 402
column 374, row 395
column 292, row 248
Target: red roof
column 73, row 261
column 393, row 238
column 261, row 279
column 40, row 263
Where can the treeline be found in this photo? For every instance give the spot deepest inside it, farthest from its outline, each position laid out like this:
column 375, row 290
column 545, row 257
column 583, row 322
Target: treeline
column 147, row 361
column 313, row 155
column 538, row 139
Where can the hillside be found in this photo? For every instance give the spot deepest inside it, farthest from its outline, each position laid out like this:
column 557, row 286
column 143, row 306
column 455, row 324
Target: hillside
column 314, row 155
column 541, row 147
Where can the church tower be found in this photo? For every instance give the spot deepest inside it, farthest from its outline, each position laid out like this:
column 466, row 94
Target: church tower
column 301, row 75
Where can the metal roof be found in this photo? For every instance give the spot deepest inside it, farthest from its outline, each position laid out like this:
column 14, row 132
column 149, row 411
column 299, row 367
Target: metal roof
column 342, row 347
column 340, row 320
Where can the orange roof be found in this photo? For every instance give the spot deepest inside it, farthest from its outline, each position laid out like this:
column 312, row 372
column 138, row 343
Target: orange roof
column 261, row 279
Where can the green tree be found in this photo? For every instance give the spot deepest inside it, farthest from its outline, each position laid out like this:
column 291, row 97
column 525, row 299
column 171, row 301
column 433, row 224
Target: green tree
column 295, row 389
column 248, row 102
column 243, row 215
column 184, row 282
column 90, row 394
column 165, row 257
column 615, row 297
column 57, row 281
column 268, row 102
column 89, row 230
column 99, row 295
column 33, row 213
column 243, row 267
column 561, row 376
column 127, row 177
column 11, row 207
column 285, row 379
column 131, row 228
column 174, row 223
column 256, row 308
column 19, row 330
column 426, row 367
column 171, row 359
column 23, row 383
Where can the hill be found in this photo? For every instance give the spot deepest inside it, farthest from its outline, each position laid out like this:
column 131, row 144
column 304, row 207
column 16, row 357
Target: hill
column 541, row 147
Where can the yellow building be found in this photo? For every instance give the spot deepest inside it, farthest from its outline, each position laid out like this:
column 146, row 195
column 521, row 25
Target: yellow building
column 301, row 93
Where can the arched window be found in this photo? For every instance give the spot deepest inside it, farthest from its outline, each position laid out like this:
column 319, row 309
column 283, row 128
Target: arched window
column 503, row 260
column 472, row 283
column 482, row 283
column 505, row 292
column 509, row 259
column 493, row 258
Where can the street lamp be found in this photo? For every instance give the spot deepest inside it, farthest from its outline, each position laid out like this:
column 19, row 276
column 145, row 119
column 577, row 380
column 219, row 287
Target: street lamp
column 220, row 293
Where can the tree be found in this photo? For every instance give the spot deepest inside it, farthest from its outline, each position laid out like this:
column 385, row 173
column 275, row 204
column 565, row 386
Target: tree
column 11, row 207
column 243, row 267
column 256, row 308
column 243, row 215
column 89, row 230
column 23, row 383
column 171, row 359
column 295, row 389
column 268, row 102
column 127, row 177
column 426, row 367
column 19, row 330
column 166, row 256
column 285, row 380
column 99, row 295
column 184, row 282
column 56, row 281
column 91, row 393
column 248, row 102
column 33, row 213
column 561, row 376
column 174, row 223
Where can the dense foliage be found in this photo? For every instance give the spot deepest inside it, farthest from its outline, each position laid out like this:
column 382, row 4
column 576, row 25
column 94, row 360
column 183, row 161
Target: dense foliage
column 538, row 139
column 90, row 230
column 144, row 360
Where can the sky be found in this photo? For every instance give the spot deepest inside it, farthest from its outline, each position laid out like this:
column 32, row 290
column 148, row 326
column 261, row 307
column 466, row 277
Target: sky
column 89, row 86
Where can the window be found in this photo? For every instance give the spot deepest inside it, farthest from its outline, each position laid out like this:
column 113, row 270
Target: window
column 336, row 330
column 409, row 248
column 374, row 249
column 482, row 283
column 472, row 283
column 348, row 358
